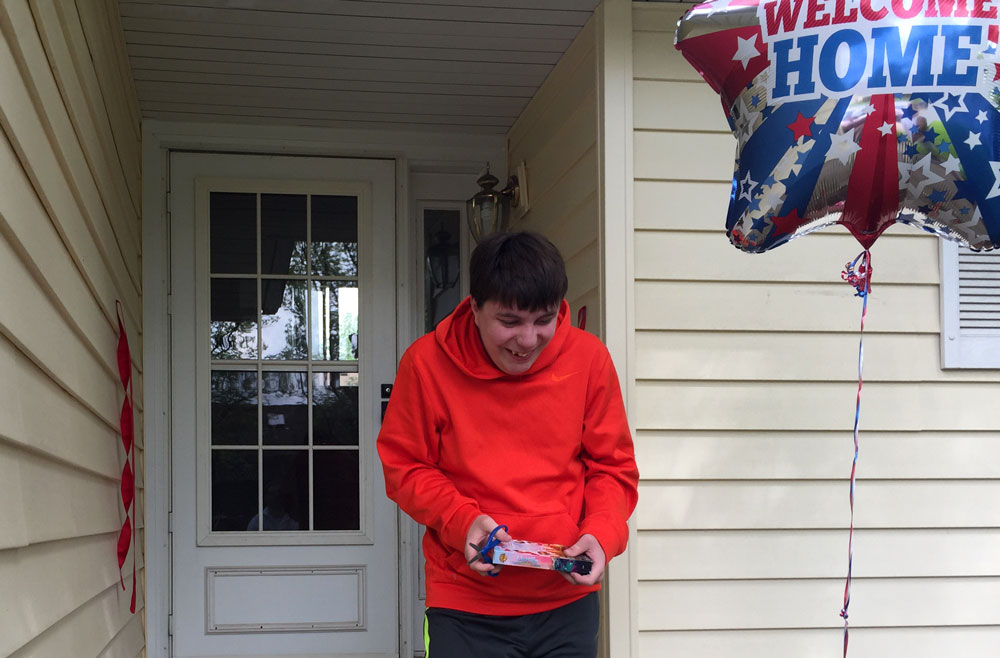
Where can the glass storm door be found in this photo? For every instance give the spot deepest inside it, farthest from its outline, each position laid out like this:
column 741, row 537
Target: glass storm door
column 282, row 329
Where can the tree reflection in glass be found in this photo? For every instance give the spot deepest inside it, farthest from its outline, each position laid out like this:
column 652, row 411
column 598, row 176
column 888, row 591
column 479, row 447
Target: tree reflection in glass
column 283, row 319
column 335, row 321
column 234, row 319
column 334, row 235
column 283, row 233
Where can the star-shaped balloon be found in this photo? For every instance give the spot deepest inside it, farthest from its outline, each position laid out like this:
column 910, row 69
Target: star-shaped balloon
column 859, row 112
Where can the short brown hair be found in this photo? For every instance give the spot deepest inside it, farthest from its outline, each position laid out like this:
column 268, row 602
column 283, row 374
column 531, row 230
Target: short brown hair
column 520, row 269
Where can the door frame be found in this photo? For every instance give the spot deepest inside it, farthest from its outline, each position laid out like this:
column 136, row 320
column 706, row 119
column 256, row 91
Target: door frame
column 412, row 152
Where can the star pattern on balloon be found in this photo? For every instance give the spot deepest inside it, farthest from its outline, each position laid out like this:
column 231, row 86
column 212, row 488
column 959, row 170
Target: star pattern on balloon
column 801, row 127
column 925, row 156
column 842, row 147
column 746, row 50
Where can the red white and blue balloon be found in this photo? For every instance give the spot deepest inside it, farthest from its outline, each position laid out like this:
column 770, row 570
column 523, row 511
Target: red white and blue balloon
column 859, row 112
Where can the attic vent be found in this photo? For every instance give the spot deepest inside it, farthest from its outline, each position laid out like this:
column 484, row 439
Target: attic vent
column 979, row 292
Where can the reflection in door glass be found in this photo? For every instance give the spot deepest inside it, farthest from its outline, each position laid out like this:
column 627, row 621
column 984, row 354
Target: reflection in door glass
column 283, row 234
column 234, row 319
column 334, row 235
column 442, row 265
column 234, row 489
column 285, row 300
column 233, row 233
column 286, row 491
column 335, row 408
column 285, row 408
column 335, row 490
column 283, row 319
column 234, row 407
column 335, row 320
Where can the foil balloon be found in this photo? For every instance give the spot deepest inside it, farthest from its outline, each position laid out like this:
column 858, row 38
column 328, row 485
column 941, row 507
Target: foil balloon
column 859, row 112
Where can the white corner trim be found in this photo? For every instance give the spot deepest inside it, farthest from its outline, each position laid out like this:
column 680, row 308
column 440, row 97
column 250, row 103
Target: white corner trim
column 156, row 392
column 615, row 191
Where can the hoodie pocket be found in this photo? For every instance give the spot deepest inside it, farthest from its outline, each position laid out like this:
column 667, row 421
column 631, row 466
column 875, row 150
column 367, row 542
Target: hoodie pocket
column 558, row 528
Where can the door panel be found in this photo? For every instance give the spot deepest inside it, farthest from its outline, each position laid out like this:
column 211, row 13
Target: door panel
column 283, row 327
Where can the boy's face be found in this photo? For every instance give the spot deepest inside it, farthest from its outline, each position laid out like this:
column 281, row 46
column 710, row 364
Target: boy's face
column 514, row 338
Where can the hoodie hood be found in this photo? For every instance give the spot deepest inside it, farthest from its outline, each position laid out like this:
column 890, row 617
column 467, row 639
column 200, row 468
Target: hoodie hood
column 458, row 337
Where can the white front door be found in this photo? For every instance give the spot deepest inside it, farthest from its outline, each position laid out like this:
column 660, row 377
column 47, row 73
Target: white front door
column 282, row 331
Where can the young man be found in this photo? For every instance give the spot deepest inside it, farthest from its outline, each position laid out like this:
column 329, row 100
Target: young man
column 506, row 414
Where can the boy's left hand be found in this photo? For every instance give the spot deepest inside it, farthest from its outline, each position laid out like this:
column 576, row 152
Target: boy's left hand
column 589, row 546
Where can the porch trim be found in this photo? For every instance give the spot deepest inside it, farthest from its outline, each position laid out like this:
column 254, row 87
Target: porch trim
column 614, row 84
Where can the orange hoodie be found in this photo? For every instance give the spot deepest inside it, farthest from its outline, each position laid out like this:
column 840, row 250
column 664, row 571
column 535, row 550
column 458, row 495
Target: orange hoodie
column 547, row 453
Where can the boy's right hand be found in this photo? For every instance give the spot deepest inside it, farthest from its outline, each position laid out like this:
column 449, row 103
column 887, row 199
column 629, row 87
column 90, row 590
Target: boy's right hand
column 478, row 533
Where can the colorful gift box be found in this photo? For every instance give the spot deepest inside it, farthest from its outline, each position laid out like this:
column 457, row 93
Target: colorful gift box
column 519, row 553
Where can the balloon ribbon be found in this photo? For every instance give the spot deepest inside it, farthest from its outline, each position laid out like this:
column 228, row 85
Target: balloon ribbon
column 858, row 273
column 127, row 425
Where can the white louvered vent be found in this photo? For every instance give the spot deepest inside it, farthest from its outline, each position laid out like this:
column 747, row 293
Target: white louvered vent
column 979, row 292
column 970, row 308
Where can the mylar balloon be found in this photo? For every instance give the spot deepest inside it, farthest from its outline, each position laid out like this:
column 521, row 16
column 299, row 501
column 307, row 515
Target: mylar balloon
column 862, row 112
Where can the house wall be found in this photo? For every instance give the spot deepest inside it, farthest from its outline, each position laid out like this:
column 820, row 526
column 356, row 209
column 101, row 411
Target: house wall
column 69, row 248
column 556, row 139
column 745, row 385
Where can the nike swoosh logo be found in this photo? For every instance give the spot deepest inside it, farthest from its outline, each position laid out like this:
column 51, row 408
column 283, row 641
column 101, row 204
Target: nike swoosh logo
column 559, row 378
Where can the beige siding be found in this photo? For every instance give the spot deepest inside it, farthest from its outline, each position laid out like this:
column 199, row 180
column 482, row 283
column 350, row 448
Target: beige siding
column 69, row 248
column 745, row 383
column 556, row 139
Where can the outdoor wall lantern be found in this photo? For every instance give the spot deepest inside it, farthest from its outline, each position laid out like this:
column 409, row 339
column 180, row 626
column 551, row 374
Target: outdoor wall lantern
column 489, row 210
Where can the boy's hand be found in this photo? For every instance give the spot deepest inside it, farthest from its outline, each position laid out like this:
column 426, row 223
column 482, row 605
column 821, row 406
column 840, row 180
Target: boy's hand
column 589, row 546
column 478, row 532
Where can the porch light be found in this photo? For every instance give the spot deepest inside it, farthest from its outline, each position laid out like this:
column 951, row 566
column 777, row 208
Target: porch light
column 489, row 210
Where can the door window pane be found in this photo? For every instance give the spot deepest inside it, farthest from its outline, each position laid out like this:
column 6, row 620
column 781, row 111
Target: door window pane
column 335, row 408
column 286, row 491
column 234, row 407
column 233, row 230
column 283, row 234
column 335, row 490
column 234, row 489
column 335, row 320
column 334, row 235
column 285, row 408
column 234, row 319
column 284, row 289
column 442, row 266
column 283, row 319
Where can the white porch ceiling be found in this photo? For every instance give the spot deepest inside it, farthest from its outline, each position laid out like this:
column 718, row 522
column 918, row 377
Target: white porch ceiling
column 455, row 65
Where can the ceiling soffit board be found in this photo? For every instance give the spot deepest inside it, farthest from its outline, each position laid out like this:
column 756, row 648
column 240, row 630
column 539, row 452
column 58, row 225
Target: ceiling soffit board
column 456, row 65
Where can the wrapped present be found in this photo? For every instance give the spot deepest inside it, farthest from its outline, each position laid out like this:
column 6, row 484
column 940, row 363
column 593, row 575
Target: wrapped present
column 519, row 553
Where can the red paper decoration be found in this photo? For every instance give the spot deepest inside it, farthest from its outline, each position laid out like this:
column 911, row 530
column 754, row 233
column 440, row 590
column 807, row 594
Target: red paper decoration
column 128, row 441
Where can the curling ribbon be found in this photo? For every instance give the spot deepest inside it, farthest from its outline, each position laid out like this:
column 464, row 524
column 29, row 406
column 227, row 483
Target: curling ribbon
column 127, row 535
column 858, row 273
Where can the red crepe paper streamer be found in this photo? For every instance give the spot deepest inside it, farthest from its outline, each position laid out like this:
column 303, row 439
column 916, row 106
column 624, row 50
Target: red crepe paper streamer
column 126, row 537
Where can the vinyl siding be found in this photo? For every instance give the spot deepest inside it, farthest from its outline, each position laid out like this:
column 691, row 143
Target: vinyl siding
column 69, row 248
column 556, row 138
column 745, row 384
